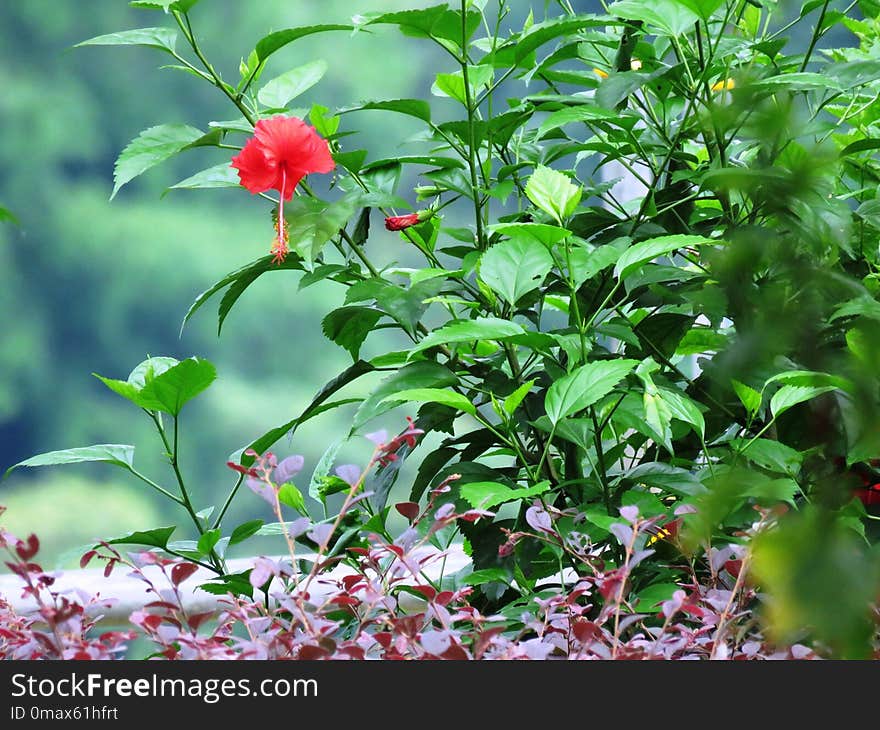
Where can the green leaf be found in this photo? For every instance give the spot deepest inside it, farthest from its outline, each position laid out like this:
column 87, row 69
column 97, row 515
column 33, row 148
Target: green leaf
column 435, row 22
column 244, row 531
column 409, row 107
column 588, row 261
column 553, row 192
column 584, row 387
column 798, row 82
column 684, row 409
column 313, row 222
column 415, row 375
column 121, row 387
column 207, row 541
column 182, row 6
column 169, row 391
column 272, row 42
column 278, row 92
column 317, row 488
column 149, row 148
column 514, row 268
column 434, row 395
column 749, row 397
column 317, row 406
column 238, row 287
column 290, row 495
column 120, row 455
column 7, row 215
column 485, row 495
column 653, row 595
column 704, row 8
column 769, row 454
column 161, row 38
column 218, row 176
column 530, row 232
column 512, row 402
column 572, row 114
column 157, row 537
column 671, row 17
column 861, row 307
column 348, row 327
column 487, row 575
column 481, row 328
column 518, row 47
column 789, row 396
column 646, row 251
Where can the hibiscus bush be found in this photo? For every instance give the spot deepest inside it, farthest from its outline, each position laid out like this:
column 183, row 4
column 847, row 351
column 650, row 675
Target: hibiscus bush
column 633, row 291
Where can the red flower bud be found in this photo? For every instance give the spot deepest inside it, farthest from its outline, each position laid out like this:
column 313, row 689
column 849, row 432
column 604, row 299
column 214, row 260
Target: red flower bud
column 401, row 222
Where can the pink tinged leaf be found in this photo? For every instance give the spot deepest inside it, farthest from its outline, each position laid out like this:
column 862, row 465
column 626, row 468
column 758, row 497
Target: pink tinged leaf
column 538, row 519
column 321, row 534
column 261, row 489
column 536, row 648
column 182, row 571
column 299, row 527
column 639, row 556
column 349, row 473
column 288, row 469
column 630, row 513
column 622, row 532
column 674, row 604
column 379, row 437
column 472, row 515
column 436, row 642
column 445, row 511
column 685, row 509
column 262, row 571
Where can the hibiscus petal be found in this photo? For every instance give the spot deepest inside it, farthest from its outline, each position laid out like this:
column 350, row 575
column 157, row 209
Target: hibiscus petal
column 256, row 171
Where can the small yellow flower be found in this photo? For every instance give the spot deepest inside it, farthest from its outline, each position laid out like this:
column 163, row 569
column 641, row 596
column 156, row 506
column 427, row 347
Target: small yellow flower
column 600, row 73
column 724, row 85
column 635, row 64
column 661, row 534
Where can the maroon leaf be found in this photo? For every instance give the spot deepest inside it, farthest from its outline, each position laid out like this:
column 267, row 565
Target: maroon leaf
column 410, row 510
column 182, row 571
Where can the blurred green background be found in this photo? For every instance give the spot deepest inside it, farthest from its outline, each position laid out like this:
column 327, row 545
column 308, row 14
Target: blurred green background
column 88, row 285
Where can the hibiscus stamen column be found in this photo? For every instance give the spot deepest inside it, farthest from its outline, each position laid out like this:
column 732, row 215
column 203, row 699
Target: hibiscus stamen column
column 279, row 247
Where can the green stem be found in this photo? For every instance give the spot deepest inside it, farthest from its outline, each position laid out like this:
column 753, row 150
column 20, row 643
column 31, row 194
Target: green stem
column 817, row 34
column 229, row 498
column 155, row 486
column 473, row 158
column 185, row 26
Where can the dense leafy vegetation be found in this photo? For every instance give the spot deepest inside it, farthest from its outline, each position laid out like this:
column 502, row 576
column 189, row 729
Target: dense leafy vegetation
column 691, row 349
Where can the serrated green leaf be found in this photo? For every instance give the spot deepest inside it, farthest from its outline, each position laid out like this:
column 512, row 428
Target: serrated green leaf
column 585, row 386
column 644, row 252
column 157, row 537
column 409, row 107
column 669, row 16
column 485, row 495
column 278, row 92
column 349, row 326
column 516, row 267
column 290, row 495
column 553, row 192
column 434, row 395
column 218, row 176
column 749, row 397
column 789, row 396
column 415, row 375
column 207, row 541
column 161, row 38
column 572, row 114
column 481, row 328
column 512, row 402
column 172, row 389
column 117, row 454
column 272, row 42
column 149, row 148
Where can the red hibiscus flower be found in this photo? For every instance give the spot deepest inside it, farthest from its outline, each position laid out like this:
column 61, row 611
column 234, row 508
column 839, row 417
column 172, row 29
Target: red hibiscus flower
column 282, row 152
